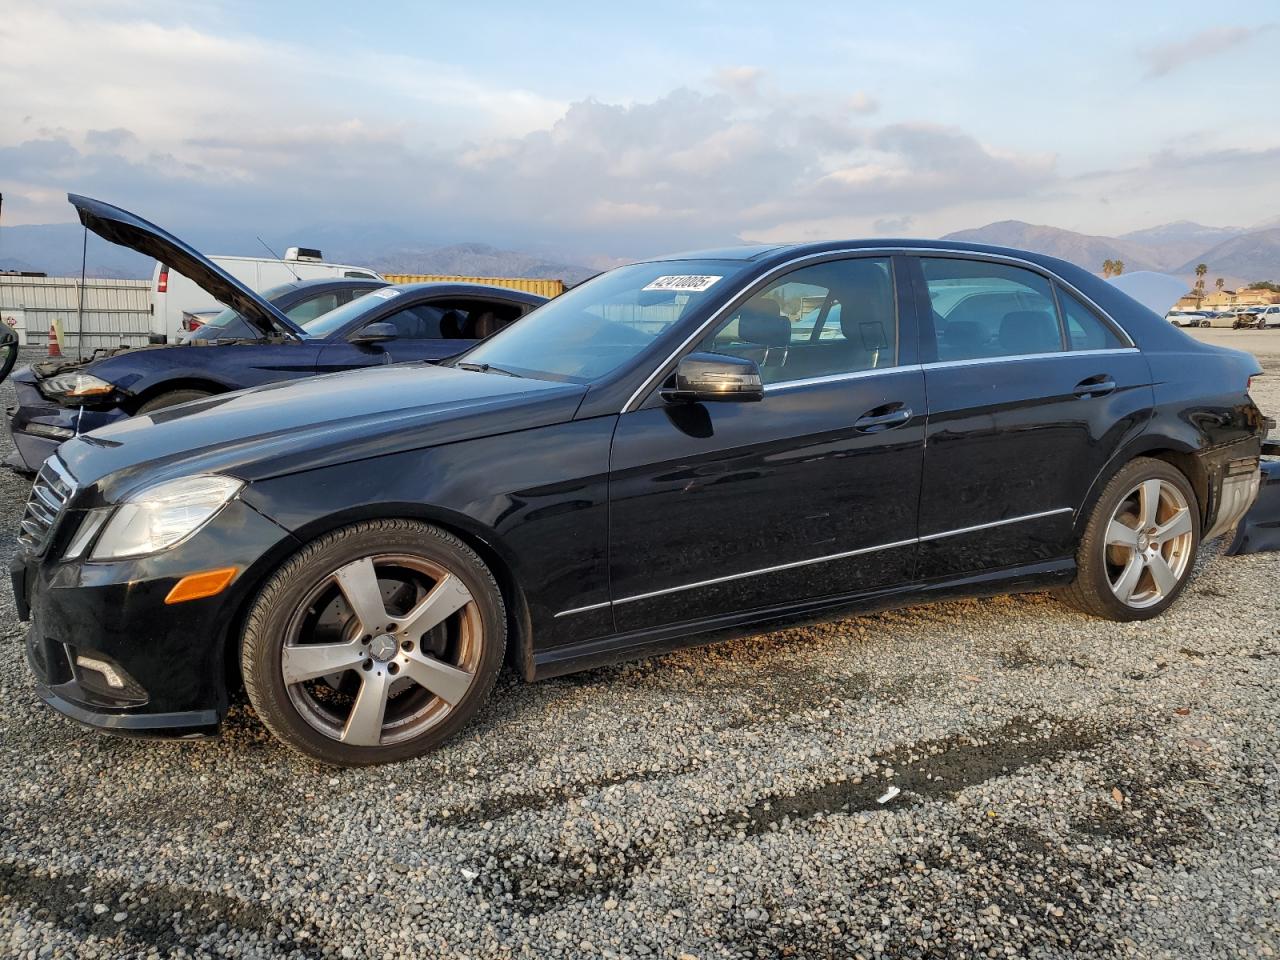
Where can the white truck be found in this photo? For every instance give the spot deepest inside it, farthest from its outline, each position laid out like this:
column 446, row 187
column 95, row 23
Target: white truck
column 176, row 302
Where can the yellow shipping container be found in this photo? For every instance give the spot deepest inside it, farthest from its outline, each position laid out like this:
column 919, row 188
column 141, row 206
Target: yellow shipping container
column 544, row 288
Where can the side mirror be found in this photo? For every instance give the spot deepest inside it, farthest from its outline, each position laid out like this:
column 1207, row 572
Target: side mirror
column 376, row 333
column 703, row 377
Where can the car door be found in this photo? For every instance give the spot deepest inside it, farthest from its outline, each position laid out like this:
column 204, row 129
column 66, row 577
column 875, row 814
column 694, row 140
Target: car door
column 1031, row 391
column 809, row 493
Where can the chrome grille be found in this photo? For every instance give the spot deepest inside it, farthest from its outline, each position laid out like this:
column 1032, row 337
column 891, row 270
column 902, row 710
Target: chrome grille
column 49, row 494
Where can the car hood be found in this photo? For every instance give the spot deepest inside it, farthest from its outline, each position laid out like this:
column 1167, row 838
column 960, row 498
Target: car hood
column 283, row 428
column 129, row 230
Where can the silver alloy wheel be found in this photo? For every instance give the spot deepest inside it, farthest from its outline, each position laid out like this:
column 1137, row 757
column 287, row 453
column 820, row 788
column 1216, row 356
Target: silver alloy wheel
column 395, row 672
column 1148, row 543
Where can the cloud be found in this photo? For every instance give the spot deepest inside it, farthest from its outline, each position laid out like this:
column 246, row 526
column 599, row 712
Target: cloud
column 862, row 103
column 1169, row 57
column 893, row 226
column 742, row 82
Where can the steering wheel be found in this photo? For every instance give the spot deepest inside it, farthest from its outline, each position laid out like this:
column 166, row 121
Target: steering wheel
column 8, row 350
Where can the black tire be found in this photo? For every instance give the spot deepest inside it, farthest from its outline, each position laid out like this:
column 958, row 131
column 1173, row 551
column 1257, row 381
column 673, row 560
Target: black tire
column 281, row 600
column 172, row 399
column 1092, row 591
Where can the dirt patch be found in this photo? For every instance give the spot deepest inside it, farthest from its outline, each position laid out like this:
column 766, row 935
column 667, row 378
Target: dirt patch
column 937, row 768
column 157, row 916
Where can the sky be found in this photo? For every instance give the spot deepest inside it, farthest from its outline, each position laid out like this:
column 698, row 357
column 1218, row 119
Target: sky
column 610, row 131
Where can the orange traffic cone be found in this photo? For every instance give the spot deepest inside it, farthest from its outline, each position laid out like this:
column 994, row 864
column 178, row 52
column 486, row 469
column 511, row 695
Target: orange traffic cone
column 55, row 349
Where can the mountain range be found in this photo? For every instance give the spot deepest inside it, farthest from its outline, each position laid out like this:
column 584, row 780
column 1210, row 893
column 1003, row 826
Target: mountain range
column 1239, row 255
column 55, row 249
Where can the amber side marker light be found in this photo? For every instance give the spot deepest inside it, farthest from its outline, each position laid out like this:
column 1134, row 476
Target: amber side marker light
column 196, row 586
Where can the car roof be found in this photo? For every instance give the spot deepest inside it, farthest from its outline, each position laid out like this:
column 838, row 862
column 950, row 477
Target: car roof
column 323, row 283
column 444, row 289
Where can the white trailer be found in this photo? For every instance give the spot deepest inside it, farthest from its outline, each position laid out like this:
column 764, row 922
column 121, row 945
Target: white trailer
column 172, row 294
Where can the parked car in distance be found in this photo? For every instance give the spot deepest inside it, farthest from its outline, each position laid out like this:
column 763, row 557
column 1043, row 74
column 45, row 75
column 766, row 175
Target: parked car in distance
column 382, row 324
column 1269, row 316
column 1185, row 318
column 672, row 452
column 174, row 294
column 1245, row 317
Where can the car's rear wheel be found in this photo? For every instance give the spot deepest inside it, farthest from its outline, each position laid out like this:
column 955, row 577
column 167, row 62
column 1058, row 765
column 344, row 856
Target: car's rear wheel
column 171, row 399
column 1137, row 551
column 375, row 643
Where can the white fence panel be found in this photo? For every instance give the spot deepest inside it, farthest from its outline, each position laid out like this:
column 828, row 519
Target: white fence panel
column 115, row 311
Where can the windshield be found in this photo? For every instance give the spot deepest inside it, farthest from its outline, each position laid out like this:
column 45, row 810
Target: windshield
column 317, row 328
column 599, row 325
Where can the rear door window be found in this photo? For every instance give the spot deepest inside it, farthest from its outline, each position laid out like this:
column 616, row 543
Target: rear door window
column 985, row 309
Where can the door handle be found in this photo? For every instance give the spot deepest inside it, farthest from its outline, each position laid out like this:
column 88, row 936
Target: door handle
column 1098, row 386
column 884, row 417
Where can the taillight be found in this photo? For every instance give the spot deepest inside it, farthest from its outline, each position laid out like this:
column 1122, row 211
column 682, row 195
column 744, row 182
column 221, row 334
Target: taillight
column 190, row 323
column 162, row 284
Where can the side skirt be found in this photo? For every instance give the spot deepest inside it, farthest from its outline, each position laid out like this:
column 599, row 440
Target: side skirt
column 602, row 651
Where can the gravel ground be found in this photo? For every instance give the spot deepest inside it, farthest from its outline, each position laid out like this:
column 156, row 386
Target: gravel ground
column 1068, row 787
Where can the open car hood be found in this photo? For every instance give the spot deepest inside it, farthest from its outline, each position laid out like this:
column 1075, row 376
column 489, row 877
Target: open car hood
column 122, row 227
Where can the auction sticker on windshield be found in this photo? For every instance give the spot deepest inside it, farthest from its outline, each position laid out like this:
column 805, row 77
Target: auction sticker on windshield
column 683, row 284
column 386, row 293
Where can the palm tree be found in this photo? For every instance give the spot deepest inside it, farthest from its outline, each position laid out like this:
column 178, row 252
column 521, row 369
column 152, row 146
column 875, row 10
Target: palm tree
column 1107, row 267
column 1117, row 267
column 1219, row 283
column 1201, row 270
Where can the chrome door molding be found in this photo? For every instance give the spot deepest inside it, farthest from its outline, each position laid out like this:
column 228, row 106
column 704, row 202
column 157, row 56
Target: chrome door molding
column 814, row 560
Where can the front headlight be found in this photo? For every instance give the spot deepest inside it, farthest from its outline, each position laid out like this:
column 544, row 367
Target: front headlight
column 75, row 386
column 160, row 516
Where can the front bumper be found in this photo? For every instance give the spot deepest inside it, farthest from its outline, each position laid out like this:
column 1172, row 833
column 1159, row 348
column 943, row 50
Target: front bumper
column 39, row 426
column 107, row 650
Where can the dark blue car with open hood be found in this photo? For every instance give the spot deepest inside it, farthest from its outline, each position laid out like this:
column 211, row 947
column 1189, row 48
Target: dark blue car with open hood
column 368, row 324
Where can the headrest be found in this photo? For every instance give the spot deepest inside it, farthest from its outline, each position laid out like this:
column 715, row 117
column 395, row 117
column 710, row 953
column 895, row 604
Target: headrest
column 761, row 321
column 867, row 297
column 451, row 325
column 1030, row 331
column 963, row 333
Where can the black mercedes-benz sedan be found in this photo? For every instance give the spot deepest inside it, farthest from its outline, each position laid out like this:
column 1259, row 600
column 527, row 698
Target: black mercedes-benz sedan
column 675, row 451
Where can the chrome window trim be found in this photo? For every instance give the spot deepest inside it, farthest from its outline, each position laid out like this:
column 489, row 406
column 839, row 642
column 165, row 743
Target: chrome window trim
column 941, row 364
column 837, row 377
column 647, row 385
column 813, row 560
column 1013, row 358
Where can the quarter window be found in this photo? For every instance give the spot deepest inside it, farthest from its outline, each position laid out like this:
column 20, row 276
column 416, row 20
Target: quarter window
column 983, row 309
column 1084, row 330
column 829, row 319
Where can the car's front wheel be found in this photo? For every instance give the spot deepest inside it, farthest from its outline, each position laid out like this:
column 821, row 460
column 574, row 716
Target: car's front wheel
column 374, row 643
column 1140, row 543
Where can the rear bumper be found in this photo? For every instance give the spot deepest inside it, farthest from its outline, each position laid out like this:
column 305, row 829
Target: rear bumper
column 1237, row 489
